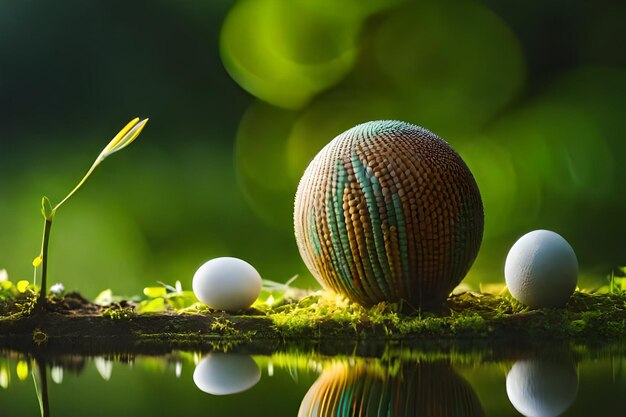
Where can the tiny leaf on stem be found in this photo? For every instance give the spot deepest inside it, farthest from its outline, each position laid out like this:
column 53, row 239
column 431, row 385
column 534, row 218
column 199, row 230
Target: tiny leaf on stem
column 46, row 208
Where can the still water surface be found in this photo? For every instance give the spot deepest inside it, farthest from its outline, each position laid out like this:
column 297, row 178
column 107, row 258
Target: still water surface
column 568, row 382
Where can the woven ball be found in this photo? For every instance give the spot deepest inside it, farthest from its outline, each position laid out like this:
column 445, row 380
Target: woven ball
column 418, row 389
column 388, row 211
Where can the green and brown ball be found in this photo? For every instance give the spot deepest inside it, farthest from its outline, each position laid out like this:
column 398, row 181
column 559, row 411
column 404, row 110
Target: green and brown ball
column 367, row 389
column 388, row 211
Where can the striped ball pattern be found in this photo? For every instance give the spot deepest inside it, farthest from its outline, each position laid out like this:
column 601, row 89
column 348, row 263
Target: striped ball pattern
column 388, row 211
column 418, row 389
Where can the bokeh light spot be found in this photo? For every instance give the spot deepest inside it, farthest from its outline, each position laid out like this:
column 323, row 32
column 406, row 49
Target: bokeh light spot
column 456, row 62
column 286, row 61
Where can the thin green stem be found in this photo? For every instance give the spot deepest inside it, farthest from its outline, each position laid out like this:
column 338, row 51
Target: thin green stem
column 93, row 167
column 40, row 379
column 44, row 263
column 124, row 138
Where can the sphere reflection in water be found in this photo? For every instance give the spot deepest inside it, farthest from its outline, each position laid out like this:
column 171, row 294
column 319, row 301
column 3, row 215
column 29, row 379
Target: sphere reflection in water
column 541, row 387
column 223, row 374
column 424, row 389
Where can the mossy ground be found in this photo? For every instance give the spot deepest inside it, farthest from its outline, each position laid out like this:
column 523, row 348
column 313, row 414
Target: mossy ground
column 313, row 319
column 467, row 315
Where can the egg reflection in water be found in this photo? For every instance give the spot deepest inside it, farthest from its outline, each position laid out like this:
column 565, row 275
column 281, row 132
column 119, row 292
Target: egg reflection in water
column 542, row 387
column 223, row 374
column 424, row 389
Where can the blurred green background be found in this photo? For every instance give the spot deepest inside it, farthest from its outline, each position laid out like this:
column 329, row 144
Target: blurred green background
column 242, row 94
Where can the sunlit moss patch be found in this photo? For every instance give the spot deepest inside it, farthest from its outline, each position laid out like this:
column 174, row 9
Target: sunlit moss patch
column 286, row 316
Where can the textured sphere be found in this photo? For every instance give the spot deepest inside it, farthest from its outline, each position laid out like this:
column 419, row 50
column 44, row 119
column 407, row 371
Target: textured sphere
column 541, row 269
column 225, row 374
column 227, row 284
column 418, row 389
column 388, row 211
column 542, row 388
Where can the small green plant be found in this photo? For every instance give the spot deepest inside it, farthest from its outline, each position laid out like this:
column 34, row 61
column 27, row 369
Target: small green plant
column 124, row 138
column 159, row 298
column 617, row 284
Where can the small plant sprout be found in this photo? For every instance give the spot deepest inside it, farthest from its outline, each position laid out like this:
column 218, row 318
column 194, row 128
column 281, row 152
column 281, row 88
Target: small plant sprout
column 124, row 138
column 166, row 295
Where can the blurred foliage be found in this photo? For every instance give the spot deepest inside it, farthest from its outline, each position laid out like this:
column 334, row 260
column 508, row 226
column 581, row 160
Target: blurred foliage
column 242, row 94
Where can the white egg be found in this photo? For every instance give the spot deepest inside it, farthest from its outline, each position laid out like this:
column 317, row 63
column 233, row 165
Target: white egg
column 227, row 284
column 541, row 270
column 542, row 388
column 223, row 374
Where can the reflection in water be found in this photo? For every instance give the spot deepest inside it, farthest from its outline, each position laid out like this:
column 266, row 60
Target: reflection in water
column 104, row 367
column 404, row 382
column 37, row 366
column 429, row 389
column 41, row 386
column 5, row 378
column 542, row 387
column 223, row 374
column 56, row 373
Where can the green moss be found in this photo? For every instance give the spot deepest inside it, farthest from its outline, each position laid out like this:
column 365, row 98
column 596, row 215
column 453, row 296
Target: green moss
column 431, row 326
column 467, row 315
column 577, row 327
column 192, row 341
column 472, row 324
column 117, row 312
column 293, row 324
column 223, row 326
column 318, row 317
